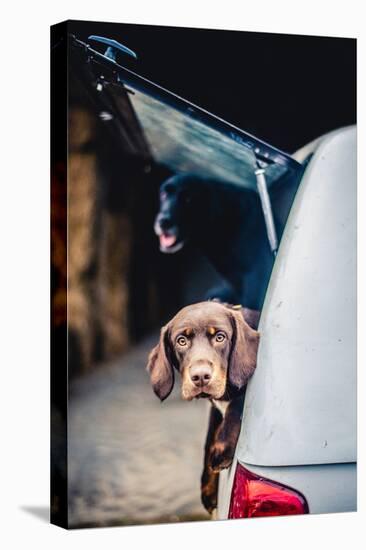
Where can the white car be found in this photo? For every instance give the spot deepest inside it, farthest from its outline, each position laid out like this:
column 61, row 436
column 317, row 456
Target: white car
column 296, row 452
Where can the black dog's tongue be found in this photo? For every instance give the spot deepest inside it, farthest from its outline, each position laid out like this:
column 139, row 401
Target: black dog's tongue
column 167, row 240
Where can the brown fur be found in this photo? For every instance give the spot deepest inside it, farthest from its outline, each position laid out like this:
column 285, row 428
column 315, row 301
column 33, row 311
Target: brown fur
column 160, row 368
column 219, row 337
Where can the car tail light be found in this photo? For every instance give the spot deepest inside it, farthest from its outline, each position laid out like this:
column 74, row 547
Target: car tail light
column 255, row 496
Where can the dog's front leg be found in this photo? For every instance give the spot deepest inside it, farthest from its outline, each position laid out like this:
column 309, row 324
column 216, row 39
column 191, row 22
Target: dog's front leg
column 210, row 479
column 227, row 436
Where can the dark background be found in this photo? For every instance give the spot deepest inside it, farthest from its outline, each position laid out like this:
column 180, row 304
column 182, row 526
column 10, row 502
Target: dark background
column 284, row 89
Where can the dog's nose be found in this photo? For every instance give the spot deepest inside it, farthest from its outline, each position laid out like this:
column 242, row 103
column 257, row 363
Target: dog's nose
column 164, row 222
column 200, row 375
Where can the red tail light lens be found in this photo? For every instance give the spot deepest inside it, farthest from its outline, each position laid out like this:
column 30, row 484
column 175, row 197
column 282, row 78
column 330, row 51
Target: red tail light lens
column 254, row 496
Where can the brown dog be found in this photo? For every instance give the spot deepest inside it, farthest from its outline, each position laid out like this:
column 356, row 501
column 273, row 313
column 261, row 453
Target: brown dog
column 215, row 350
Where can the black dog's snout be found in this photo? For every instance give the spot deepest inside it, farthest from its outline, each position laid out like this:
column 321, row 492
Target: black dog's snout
column 164, row 222
column 200, row 375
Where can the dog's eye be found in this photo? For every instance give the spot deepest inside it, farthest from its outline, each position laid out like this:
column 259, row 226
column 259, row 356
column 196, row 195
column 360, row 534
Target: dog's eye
column 220, row 336
column 181, row 341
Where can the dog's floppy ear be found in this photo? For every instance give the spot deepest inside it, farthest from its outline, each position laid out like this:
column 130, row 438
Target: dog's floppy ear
column 251, row 316
column 160, row 366
column 244, row 347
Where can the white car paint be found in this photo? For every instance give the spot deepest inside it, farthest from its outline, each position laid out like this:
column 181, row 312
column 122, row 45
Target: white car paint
column 299, row 421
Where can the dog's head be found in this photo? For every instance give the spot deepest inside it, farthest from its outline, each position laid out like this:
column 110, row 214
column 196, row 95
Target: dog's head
column 210, row 345
column 174, row 222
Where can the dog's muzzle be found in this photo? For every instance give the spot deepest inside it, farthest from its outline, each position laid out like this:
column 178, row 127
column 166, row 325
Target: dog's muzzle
column 168, row 238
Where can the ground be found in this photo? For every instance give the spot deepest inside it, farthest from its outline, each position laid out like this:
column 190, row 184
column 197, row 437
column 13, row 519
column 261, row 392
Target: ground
column 133, row 459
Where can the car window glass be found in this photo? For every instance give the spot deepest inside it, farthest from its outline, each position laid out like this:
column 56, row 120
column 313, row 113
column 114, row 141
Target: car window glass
column 185, row 144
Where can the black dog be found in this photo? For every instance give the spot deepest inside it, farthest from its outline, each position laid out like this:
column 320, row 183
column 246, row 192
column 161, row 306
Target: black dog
column 225, row 221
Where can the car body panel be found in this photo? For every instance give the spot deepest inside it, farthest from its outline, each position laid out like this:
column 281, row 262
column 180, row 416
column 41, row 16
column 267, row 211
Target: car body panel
column 300, row 406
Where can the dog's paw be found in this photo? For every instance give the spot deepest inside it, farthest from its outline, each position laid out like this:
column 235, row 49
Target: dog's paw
column 221, row 456
column 209, row 486
column 214, row 515
column 209, row 499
